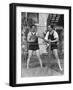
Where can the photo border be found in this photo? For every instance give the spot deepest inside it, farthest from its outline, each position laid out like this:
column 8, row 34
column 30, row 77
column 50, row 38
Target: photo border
column 12, row 41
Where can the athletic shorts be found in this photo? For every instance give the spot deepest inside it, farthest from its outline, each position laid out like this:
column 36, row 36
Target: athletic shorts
column 33, row 46
column 54, row 46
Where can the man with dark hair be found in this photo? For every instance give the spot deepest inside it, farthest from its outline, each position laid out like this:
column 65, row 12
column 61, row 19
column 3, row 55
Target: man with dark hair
column 52, row 38
column 33, row 45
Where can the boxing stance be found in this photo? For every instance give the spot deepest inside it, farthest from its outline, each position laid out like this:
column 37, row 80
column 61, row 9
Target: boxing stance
column 32, row 39
column 52, row 38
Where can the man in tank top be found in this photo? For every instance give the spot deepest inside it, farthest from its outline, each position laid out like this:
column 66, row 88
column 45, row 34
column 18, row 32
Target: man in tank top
column 32, row 39
column 52, row 38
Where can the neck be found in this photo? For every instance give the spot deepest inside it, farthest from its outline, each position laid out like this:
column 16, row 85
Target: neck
column 51, row 32
column 33, row 33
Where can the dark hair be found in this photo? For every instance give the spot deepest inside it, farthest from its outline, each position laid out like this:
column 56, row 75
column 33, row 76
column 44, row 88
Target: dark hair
column 33, row 25
column 52, row 26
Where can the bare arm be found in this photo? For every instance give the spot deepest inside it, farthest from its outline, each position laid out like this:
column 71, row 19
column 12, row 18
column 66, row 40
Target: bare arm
column 46, row 37
column 56, row 40
column 56, row 37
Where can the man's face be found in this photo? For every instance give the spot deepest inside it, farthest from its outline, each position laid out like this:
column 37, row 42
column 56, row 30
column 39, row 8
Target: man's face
column 49, row 28
column 33, row 29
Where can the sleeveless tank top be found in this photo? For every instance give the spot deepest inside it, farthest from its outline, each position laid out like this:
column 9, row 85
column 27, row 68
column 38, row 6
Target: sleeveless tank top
column 51, row 36
column 36, row 39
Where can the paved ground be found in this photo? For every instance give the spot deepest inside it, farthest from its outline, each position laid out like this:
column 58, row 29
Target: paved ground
column 50, row 67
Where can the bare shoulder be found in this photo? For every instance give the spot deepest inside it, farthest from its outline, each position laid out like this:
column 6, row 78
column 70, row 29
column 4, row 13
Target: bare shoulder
column 47, row 33
column 29, row 34
column 37, row 34
column 55, row 32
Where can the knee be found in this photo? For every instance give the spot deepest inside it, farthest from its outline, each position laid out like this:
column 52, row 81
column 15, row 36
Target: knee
column 29, row 56
column 38, row 56
column 56, row 56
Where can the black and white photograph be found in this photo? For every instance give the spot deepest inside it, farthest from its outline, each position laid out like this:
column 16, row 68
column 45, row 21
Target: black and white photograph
column 41, row 44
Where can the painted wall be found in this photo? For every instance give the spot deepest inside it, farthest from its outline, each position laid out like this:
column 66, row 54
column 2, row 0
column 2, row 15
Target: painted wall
column 41, row 27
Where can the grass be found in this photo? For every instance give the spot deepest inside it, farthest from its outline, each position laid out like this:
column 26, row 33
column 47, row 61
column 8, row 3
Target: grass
column 50, row 66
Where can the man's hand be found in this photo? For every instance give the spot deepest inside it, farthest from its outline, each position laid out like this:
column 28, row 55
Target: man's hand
column 31, row 40
column 49, row 41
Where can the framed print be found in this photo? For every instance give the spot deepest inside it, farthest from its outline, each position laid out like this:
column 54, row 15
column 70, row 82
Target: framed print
column 40, row 44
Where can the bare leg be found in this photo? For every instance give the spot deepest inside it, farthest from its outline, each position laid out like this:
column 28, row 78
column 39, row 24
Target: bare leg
column 29, row 56
column 38, row 55
column 56, row 56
